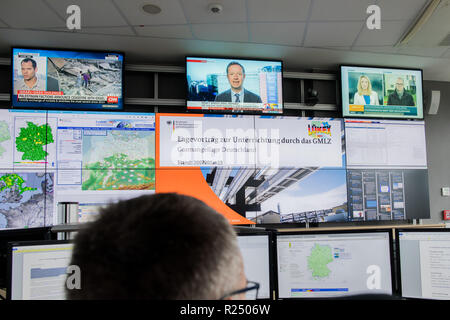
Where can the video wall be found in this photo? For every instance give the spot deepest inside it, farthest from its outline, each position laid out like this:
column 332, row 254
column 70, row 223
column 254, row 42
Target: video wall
column 252, row 169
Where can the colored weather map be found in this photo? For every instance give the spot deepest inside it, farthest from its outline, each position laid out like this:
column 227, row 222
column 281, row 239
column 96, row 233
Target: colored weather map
column 32, row 141
column 318, row 260
column 4, row 135
column 119, row 160
column 14, row 181
column 26, row 200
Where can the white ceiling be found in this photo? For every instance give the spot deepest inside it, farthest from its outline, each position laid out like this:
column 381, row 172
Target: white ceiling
column 305, row 34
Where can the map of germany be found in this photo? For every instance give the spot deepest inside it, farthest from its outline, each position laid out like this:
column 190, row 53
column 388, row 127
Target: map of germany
column 320, row 257
column 32, row 140
column 129, row 176
column 119, row 160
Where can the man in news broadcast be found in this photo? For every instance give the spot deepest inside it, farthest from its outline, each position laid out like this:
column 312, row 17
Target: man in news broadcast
column 31, row 79
column 237, row 92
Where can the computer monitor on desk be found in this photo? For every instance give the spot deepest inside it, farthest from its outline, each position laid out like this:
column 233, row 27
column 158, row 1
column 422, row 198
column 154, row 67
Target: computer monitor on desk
column 38, row 270
column 256, row 249
column 423, row 257
column 323, row 264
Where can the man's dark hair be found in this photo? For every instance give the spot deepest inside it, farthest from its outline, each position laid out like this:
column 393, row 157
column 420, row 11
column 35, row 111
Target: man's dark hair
column 29, row 60
column 162, row 246
column 237, row 63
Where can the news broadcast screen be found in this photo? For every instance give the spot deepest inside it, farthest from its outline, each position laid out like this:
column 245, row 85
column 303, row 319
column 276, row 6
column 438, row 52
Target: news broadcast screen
column 373, row 92
column 234, row 85
column 58, row 79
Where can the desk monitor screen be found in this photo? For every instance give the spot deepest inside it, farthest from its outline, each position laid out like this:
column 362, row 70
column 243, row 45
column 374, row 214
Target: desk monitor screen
column 333, row 264
column 374, row 92
column 68, row 79
column 424, row 263
column 234, row 85
column 255, row 249
column 38, row 270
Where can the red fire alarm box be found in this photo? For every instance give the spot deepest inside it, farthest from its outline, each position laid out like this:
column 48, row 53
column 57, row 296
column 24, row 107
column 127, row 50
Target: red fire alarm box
column 446, row 214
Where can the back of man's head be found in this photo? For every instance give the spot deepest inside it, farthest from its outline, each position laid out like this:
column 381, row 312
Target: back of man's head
column 163, row 246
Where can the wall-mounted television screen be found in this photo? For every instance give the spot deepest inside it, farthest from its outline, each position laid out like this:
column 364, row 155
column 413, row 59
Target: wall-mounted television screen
column 66, row 79
column 234, row 85
column 374, row 92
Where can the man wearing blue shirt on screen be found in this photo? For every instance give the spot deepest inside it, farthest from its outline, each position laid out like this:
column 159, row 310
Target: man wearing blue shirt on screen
column 237, row 93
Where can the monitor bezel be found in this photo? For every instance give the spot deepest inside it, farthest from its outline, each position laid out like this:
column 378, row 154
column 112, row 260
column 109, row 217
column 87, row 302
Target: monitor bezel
column 271, row 242
column 323, row 232
column 9, row 257
column 398, row 257
column 341, row 104
column 120, row 108
column 225, row 112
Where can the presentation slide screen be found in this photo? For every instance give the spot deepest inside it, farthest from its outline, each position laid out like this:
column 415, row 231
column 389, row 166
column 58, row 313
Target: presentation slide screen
column 57, row 79
column 424, row 263
column 234, row 85
column 373, row 92
column 255, row 169
column 256, row 255
column 332, row 264
column 387, row 175
column 39, row 271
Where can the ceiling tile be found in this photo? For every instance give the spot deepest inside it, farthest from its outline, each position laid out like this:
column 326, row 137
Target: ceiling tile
column 338, row 48
column 400, row 9
column 326, row 34
column 23, row 14
column 376, row 49
column 389, row 34
column 197, row 11
column 341, row 10
column 98, row 13
column 277, row 11
column 221, row 32
column 435, row 52
column 119, row 31
column 179, row 32
column 171, row 12
column 122, row 31
column 277, row 33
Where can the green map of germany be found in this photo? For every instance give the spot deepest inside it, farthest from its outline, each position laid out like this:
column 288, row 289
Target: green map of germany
column 32, row 140
column 318, row 260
